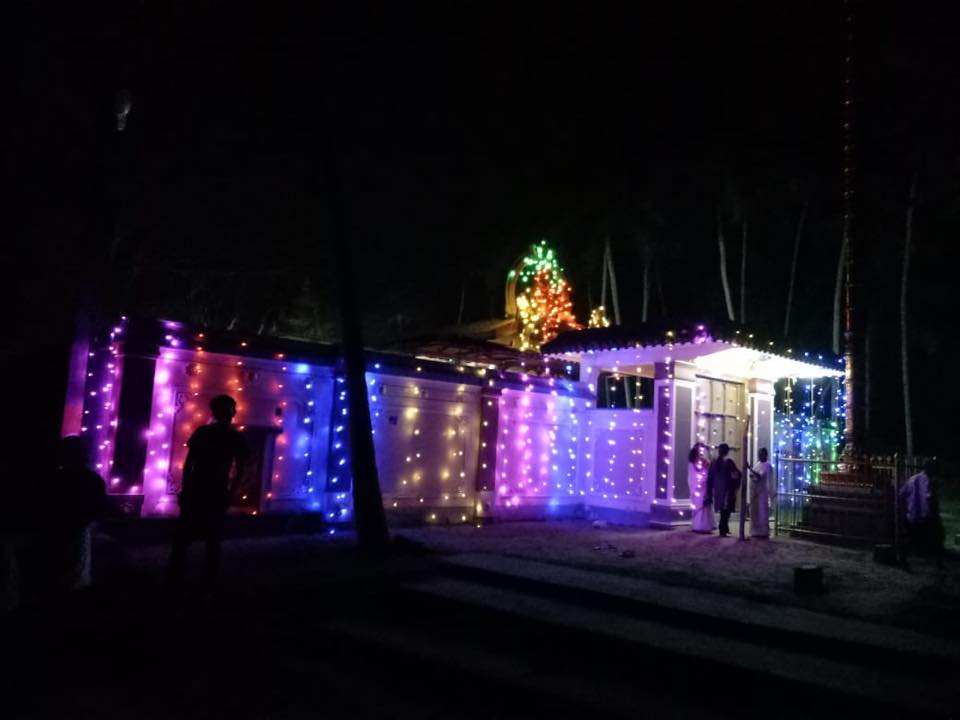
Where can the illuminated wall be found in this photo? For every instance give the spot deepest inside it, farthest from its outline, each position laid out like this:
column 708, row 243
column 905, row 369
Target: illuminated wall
column 426, row 438
column 98, row 412
column 537, row 458
column 617, row 445
column 284, row 409
column 452, row 442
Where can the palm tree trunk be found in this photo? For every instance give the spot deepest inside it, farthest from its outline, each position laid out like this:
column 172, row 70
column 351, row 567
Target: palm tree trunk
column 793, row 268
column 369, row 517
column 838, row 296
column 904, row 354
column 613, row 285
column 603, row 282
column 663, row 298
column 723, row 269
column 867, row 343
column 743, row 273
column 463, row 295
column 646, row 281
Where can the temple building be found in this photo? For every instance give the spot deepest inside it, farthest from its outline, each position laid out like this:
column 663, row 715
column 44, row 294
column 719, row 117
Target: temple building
column 599, row 425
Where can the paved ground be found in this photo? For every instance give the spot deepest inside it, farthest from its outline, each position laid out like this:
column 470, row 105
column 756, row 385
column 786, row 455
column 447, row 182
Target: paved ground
column 761, row 570
column 301, row 626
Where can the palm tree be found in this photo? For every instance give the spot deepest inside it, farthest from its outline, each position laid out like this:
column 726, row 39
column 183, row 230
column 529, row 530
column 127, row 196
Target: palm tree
column 743, row 271
column 908, row 239
column 647, row 258
column 723, row 267
column 838, row 294
column 793, row 267
column 649, row 225
column 369, row 517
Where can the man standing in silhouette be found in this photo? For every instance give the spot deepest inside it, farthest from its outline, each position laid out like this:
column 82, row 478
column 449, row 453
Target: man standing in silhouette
column 723, row 481
column 207, row 488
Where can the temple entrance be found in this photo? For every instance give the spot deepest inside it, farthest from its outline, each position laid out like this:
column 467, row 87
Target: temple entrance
column 256, row 484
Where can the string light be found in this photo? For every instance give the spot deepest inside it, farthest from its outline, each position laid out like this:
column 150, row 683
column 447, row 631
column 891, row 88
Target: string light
column 544, row 305
column 598, row 318
column 454, row 442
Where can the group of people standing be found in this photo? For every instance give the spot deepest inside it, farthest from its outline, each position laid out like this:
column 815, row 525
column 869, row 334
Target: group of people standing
column 715, row 484
column 46, row 541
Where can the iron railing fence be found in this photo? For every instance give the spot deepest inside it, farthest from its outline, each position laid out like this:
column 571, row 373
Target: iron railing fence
column 826, row 500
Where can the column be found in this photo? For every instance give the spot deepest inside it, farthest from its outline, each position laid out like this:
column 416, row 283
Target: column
column 674, row 392
column 760, row 394
column 138, row 355
column 486, row 478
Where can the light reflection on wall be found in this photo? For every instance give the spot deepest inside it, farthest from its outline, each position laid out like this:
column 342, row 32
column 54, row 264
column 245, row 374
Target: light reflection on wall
column 273, row 403
column 101, row 394
column 537, row 449
column 620, row 445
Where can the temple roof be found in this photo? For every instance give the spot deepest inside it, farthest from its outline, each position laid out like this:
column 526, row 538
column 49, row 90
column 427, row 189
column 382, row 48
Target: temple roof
column 722, row 348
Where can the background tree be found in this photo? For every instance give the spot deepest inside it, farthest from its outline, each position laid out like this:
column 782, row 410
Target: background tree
column 793, row 268
column 904, row 347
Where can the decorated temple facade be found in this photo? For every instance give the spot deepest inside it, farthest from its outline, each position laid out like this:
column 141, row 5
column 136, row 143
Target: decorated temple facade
column 689, row 385
column 600, row 426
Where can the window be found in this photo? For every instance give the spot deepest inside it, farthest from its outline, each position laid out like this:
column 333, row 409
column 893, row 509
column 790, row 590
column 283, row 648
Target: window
column 615, row 390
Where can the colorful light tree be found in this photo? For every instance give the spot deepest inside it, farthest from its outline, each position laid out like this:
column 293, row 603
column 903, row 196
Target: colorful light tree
column 543, row 304
column 598, row 318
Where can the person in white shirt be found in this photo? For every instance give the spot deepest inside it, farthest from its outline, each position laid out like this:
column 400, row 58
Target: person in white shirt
column 761, row 482
column 921, row 512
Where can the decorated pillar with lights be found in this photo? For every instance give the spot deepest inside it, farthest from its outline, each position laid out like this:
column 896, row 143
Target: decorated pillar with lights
column 760, row 395
column 674, row 393
column 138, row 353
column 487, row 451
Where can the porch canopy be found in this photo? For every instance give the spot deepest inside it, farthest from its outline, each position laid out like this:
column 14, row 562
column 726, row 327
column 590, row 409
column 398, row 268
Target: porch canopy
column 727, row 350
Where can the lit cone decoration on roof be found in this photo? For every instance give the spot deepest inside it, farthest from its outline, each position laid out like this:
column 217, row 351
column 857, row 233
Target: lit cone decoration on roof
column 598, row 318
column 544, row 306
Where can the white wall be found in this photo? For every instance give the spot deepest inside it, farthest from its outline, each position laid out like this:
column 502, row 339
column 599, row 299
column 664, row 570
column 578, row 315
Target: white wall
column 618, row 459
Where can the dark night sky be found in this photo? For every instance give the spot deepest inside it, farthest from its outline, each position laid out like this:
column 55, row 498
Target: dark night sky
column 463, row 132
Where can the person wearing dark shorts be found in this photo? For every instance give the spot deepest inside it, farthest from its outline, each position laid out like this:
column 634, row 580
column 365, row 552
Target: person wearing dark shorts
column 206, row 490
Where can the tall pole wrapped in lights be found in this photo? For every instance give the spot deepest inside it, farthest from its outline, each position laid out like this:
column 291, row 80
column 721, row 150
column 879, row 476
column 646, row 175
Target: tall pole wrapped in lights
column 852, row 440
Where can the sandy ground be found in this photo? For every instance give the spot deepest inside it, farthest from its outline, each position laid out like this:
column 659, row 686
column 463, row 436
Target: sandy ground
column 762, row 570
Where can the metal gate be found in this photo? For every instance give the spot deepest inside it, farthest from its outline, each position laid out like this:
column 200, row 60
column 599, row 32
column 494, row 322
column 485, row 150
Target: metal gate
column 828, row 501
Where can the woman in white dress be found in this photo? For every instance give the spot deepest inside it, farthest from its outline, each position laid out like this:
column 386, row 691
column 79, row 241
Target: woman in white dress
column 699, row 463
column 761, row 479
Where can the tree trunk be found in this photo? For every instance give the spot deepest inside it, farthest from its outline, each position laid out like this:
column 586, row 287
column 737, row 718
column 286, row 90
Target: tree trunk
column 646, row 281
column 723, row 269
column 904, row 353
column 743, row 273
column 663, row 298
column 866, row 381
column 369, row 517
column 838, row 296
column 463, row 295
column 793, row 268
column 613, row 285
column 603, row 282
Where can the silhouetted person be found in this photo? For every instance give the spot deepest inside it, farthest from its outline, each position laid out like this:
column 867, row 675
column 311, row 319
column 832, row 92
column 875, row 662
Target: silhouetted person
column 723, row 481
column 207, row 488
column 921, row 511
column 58, row 511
